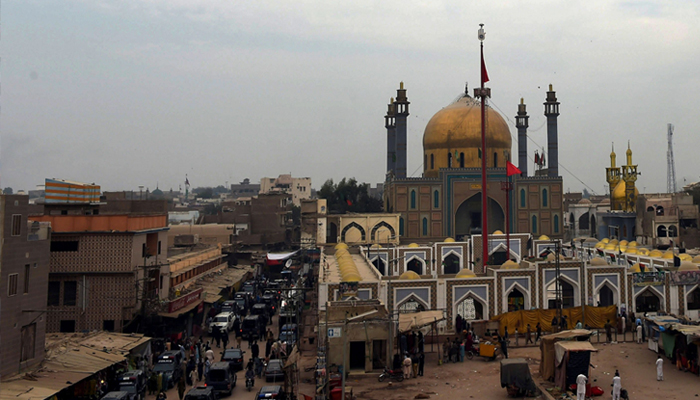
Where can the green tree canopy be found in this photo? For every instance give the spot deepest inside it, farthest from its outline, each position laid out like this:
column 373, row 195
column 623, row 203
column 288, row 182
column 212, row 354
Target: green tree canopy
column 347, row 196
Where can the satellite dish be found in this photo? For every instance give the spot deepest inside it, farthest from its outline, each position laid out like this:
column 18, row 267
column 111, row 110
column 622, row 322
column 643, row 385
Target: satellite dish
column 288, row 263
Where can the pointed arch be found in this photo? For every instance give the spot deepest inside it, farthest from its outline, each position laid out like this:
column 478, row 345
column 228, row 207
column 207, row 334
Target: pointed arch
column 461, row 160
column 411, row 304
column 509, row 300
column 413, row 199
column 436, row 198
column 432, row 161
column 401, row 226
column 480, row 305
column 381, row 224
column 451, row 263
column 571, row 292
column 534, row 224
column 425, row 226
column 350, row 226
column 555, row 222
column 648, row 300
column 416, row 264
column 545, row 198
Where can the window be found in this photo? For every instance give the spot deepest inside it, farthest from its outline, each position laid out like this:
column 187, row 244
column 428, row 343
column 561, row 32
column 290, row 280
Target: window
column 461, row 160
column 659, row 210
column 545, row 200
column 401, row 226
column 71, row 245
column 12, row 284
column 159, row 248
column 534, row 224
column 556, row 224
column 413, row 199
column 522, row 198
column 54, row 297
column 495, row 160
column 28, row 337
column 436, row 199
column 70, row 293
column 26, row 278
column 672, row 231
column 432, row 161
column 16, row 224
column 108, row 325
column 67, row 326
column 661, row 231
column 425, row 226
column 144, row 250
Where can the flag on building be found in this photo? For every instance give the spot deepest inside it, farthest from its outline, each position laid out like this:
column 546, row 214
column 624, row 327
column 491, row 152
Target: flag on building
column 484, row 72
column 511, row 169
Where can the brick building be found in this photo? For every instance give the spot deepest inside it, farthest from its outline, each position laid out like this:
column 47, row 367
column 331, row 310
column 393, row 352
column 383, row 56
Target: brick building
column 24, row 270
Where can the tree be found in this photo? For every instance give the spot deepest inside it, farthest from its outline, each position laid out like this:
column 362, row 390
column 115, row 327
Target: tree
column 347, row 196
column 7, row 190
column 585, row 194
column 207, row 193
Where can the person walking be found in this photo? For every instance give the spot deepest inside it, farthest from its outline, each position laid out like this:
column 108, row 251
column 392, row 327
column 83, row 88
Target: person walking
column 461, row 351
column 193, row 377
column 639, row 334
column 181, row 387
column 517, row 339
column 421, row 363
column 224, row 338
column 581, row 381
column 528, row 335
column 538, row 328
column 659, row 368
column 555, row 322
column 617, row 386
column 608, row 331
column 200, row 369
column 255, row 349
column 504, row 346
column 217, row 336
column 414, row 364
column 407, row 367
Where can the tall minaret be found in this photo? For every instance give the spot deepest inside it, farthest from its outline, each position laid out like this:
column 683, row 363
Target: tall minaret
column 629, row 175
column 551, row 111
column 401, row 112
column 612, row 176
column 521, row 123
column 390, row 124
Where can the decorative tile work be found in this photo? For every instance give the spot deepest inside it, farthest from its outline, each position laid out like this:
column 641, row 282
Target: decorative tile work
column 334, row 287
column 451, row 283
column 500, row 274
column 96, row 253
column 413, row 284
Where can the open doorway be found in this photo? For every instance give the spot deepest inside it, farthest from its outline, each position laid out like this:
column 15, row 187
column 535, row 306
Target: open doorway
column 357, row 355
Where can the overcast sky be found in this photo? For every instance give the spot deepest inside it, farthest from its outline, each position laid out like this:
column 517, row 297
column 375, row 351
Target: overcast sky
column 141, row 92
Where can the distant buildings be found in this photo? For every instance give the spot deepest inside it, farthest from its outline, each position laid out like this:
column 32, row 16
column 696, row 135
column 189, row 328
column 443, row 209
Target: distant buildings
column 244, row 189
column 299, row 188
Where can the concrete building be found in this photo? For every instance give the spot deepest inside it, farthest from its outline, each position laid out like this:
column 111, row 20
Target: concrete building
column 244, row 189
column 24, row 273
column 299, row 188
column 105, row 258
column 666, row 219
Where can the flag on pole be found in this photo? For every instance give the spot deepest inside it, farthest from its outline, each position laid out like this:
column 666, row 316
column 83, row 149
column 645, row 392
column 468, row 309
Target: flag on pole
column 537, row 158
column 484, row 72
column 511, row 169
column 187, row 181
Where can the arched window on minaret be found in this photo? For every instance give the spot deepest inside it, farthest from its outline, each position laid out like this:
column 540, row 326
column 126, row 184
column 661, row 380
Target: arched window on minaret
column 495, row 160
column 522, row 198
column 461, row 160
column 436, row 199
column 449, row 160
column 432, row 161
column 413, row 199
column 425, row 226
column 556, row 224
column 545, row 198
column 534, row 224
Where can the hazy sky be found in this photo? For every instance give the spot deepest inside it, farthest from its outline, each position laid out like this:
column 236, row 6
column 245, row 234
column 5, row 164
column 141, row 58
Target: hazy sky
column 137, row 92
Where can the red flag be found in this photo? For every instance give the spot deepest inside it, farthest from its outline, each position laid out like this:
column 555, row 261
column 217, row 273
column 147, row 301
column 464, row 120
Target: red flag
column 349, row 202
column 511, row 169
column 484, row 72
column 537, row 159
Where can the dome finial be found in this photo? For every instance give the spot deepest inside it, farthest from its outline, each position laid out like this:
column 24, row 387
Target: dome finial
column 401, row 85
column 522, row 100
column 466, row 88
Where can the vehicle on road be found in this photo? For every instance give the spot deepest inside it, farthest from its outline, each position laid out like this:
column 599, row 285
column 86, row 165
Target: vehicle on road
column 223, row 321
column 118, row 395
column 274, row 371
column 134, row 383
column 271, row 392
column 260, row 309
column 221, row 378
column 169, row 364
column 201, row 393
column 234, row 357
column 242, row 301
column 253, row 327
column 229, row 306
column 396, row 375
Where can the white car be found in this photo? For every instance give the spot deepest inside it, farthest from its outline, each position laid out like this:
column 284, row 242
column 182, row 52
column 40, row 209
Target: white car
column 223, row 321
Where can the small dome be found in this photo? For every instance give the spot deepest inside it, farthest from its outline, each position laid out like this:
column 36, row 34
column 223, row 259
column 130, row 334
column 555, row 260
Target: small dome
column 449, row 240
column 610, row 246
column 413, row 245
column 543, row 237
column 631, row 250
column 668, row 255
column 632, row 244
column 497, row 232
column 465, row 273
column 600, row 245
column 409, row 276
column 643, row 251
column 550, row 257
column 584, row 201
column 591, row 240
column 622, row 248
column 635, row 268
column 685, row 257
column 341, row 246
column 605, row 240
column 696, row 259
column 510, row 264
column 614, row 241
column 688, row 266
column 598, row 261
column 656, row 254
column 376, row 246
column 623, row 243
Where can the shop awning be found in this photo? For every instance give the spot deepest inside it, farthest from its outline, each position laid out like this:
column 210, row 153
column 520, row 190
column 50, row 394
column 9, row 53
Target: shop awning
column 560, row 348
column 211, row 298
column 417, row 320
column 181, row 311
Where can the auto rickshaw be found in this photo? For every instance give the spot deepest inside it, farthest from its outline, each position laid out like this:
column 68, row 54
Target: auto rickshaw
column 487, row 350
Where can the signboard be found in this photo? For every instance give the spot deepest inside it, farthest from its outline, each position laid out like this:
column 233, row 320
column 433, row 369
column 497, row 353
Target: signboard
column 648, row 278
column 347, row 289
column 335, row 332
column 685, row 278
column 184, row 301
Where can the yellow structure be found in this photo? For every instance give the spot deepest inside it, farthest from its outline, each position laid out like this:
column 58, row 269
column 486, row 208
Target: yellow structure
column 409, row 276
column 623, row 193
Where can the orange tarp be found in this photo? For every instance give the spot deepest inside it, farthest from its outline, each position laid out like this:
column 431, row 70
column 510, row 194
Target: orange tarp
column 596, row 317
column 103, row 223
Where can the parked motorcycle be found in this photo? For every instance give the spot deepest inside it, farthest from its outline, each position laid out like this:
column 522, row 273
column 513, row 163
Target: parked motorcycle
column 249, row 383
column 391, row 374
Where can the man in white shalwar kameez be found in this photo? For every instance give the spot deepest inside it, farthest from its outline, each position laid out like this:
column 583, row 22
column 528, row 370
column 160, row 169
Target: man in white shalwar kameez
column 617, row 386
column 659, row 369
column 581, row 387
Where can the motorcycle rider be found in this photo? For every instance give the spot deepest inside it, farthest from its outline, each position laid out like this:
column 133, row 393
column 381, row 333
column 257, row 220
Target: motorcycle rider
column 249, row 376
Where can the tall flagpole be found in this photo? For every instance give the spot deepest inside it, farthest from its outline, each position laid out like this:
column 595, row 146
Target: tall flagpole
column 484, row 197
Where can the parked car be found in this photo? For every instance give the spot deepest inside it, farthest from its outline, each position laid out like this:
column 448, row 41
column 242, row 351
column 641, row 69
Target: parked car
column 260, row 309
column 242, row 302
column 274, row 371
column 169, row 364
column 271, row 392
column 229, row 306
column 221, row 378
column 253, row 327
column 270, row 302
column 134, row 383
column 234, row 357
column 223, row 321
column 289, row 337
column 201, row 393
column 118, row 395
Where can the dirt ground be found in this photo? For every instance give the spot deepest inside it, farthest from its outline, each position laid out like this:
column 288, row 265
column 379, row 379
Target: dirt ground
column 480, row 379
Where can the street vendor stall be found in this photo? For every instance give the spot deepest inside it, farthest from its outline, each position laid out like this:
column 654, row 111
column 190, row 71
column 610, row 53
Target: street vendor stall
column 547, row 349
column 516, row 378
column 571, row 359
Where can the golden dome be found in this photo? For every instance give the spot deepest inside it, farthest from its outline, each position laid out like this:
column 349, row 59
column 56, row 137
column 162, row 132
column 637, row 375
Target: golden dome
column 655, row 254
column 619, row 197
column 696, row 259
column 622, row 248
column 614, row 241
column 510, row 264
column 599, row 245
column 413, row 245
column 635, row 268
column 688, row 266
column 668, row 255
column 409, row 276
column 632, row 244
column 623, row 243
column 376, row 246
column 643, row 251
column 497, row 232
column 685, row 257
column 598, row 261
column 550, row 257
column 449, row 240
column 341, row 246
column 610, row 246
column 605, row 240
column 457, row 128
column 543, row 237
column 465, row 273
column 631, row 250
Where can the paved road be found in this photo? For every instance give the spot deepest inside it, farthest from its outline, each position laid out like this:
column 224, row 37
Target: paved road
column 239, row 392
